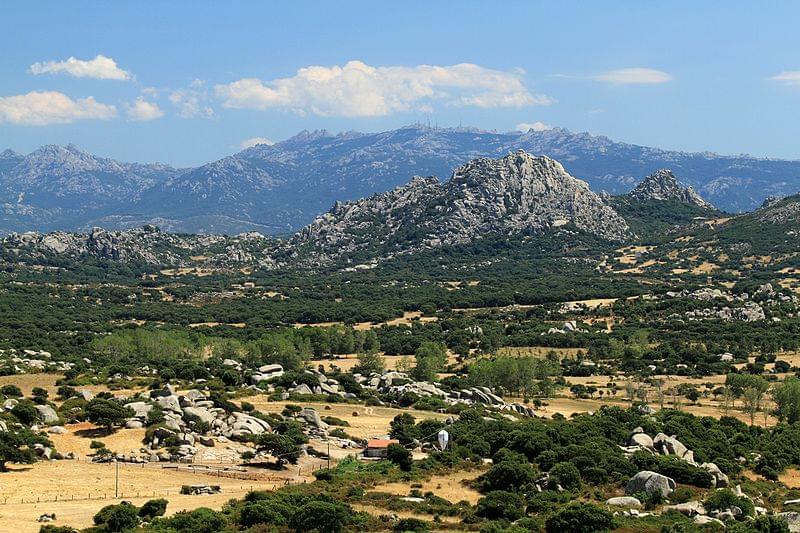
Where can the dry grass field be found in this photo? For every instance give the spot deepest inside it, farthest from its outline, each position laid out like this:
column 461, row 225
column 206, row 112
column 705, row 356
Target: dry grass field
column 81, row 480
column 370, row 422
column 451, row 487
column 26, row 382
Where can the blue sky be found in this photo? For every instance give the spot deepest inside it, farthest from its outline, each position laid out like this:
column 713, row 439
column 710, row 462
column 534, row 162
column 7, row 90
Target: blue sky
column 186, row 82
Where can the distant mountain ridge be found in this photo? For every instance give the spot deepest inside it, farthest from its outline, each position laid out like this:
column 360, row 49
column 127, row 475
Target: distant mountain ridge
column 280, row 188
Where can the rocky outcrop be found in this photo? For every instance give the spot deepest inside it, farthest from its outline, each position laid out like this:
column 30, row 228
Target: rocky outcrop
column 518, row 193
column 662, row 185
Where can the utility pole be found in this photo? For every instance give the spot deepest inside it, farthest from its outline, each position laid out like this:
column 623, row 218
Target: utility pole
column 116, row 483
column 329, row 455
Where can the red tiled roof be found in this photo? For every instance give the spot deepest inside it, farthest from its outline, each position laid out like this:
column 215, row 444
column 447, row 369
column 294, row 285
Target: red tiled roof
column 381, row 443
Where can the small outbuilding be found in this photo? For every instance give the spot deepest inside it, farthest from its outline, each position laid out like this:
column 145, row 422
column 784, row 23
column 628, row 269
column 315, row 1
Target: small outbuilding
column 379, row 447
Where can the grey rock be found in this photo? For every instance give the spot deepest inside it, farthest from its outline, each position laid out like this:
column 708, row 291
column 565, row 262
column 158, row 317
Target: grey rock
column 624, row 501
column 720, row 479
column 641, row 439
column 169, row 403
column 47, row 414
column 302, row 389
column 650, row 483
column 312, row 417
column 140, row 409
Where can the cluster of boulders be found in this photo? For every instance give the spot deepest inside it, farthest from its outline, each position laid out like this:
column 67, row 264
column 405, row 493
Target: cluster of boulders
column 399, row 383
column 750, row 308
column 181, row 414
column 33, row 360
column 748, row 312
column 653, row 483
column 669, row 445
column 194, row 490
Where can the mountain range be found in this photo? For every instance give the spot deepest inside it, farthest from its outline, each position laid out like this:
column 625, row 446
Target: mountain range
column 277, row 189
column 511, row 197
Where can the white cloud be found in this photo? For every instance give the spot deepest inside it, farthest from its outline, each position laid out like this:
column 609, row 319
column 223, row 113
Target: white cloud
column 633, row 76
column 142, row 110
column 192, row 101
column 789, row 77
column 360, row 90
column 535, row 126
column 101, row 68
column 249, row 143
column 40, row 108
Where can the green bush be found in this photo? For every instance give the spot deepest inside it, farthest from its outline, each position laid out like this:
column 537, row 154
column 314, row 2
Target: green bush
column 722, row 499
column 508, row 475
column 399, row 456
column 566, row 475
column 265, row 512
column 321, row 516
column 579, row 518
column 411, row 525
column 153, row 508
column 200, row 520
column 500, row 505
column 118, row 517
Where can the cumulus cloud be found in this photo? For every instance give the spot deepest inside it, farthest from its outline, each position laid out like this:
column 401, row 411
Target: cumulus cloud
column 40, row 108
column 360, row 90
column 101, row 68
column 142, row 110
column 633, row 76
column 535, row 126
column 789, row 77
column 254, row 141
column 192, row 101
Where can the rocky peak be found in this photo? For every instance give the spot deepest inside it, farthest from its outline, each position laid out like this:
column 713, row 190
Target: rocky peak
column 513, row 194
column 9, row 154
column 663, row 185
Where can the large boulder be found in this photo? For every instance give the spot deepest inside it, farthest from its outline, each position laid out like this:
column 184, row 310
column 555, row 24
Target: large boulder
column 313, row 418
column 169, row 403
column 720, row 479
column 302, row 389
column 624, row 501
column 641, row 439
column 650, row 483
column 246, row 424
column 201, row 413
column 47, row 414
column 669, row 445
column 140, row 409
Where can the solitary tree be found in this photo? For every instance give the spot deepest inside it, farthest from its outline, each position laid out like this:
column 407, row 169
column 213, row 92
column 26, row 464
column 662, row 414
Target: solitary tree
column 14, row 449
column 107, row 413
column 281, row 447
